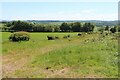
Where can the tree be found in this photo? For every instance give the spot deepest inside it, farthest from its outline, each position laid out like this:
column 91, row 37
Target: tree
column 64, row 27
column 113, row 30
column 21, row 26
column 118, row 29
column 56, row 29
column 8, row 24
column 76, row 27
column 107, row 28
column 88, row 27
column 92, row 27
column 48, row 29
column 38, row 28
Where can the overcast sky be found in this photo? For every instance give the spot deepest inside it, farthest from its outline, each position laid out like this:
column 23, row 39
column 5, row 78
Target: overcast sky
column 60, row 10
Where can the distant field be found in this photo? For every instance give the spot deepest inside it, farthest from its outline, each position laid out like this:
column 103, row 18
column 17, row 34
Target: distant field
column 89, row 55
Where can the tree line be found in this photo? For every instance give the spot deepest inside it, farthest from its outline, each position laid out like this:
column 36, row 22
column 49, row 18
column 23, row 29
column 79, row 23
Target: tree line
column 36, row 27
column 63, row 27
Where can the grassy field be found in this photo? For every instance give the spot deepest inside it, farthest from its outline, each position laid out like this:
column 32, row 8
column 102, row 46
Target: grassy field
column 89, row 55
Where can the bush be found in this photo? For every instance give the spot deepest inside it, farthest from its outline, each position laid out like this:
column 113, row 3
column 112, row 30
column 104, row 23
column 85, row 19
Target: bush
column 19, row 36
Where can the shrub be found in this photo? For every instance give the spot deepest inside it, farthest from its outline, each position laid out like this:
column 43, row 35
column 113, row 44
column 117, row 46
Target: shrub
column 19, row 36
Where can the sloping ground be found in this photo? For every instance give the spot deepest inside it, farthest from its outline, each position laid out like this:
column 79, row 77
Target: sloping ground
column 31, row 63
column 17, row 60
column 93, row 58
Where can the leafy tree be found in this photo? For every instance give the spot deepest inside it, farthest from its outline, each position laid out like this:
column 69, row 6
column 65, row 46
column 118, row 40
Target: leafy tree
column 21, row 26
column 76, row 27
column 118, row 29
column 8, row 24
column 38, row 28
column 88, row 27
column 107, row 28
column 48, row 29
column 56, row 29
column 64, row 27
column 92, row 27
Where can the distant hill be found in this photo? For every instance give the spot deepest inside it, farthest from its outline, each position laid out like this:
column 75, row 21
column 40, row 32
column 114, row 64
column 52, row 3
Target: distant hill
column 96, row 22
column 103, row 23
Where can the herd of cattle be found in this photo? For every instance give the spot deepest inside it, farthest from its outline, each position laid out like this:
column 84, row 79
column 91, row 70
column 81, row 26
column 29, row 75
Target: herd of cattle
column 56, row 37
column 24, row 36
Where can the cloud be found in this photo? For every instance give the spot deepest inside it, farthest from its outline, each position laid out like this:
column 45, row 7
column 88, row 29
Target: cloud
column 81, row 15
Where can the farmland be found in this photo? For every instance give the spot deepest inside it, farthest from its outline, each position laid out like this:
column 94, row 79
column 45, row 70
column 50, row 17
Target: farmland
column 86, row 56
column 59, row 40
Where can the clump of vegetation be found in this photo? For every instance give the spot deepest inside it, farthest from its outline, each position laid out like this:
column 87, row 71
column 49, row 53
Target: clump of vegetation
column 52, row 37
column 19, row 36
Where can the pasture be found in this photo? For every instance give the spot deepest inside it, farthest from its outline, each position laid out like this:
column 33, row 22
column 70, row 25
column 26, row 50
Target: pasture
column 86, row 56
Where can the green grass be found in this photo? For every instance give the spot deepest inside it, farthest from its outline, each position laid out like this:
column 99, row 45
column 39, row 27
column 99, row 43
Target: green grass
column 84, row 56
column 35, row 38
column 98, row 56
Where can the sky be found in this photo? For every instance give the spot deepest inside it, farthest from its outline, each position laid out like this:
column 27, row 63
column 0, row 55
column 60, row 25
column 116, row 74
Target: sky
column 59, row 11
column 59, row 0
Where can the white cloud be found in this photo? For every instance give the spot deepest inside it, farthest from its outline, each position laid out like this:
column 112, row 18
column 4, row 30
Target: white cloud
column 81, row 15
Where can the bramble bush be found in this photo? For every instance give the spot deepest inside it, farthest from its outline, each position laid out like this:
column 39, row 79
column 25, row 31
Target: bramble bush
column 19, row 36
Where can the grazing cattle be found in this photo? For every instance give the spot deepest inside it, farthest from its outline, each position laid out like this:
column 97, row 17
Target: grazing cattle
column 67, row 36
column 50, row 38
column 79, row 34
column 47, row 68
column 64, row 36
column 56, row 37
column 106, row 34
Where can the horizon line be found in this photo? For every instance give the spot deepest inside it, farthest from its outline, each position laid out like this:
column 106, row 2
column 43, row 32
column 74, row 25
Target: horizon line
column 54, row 20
